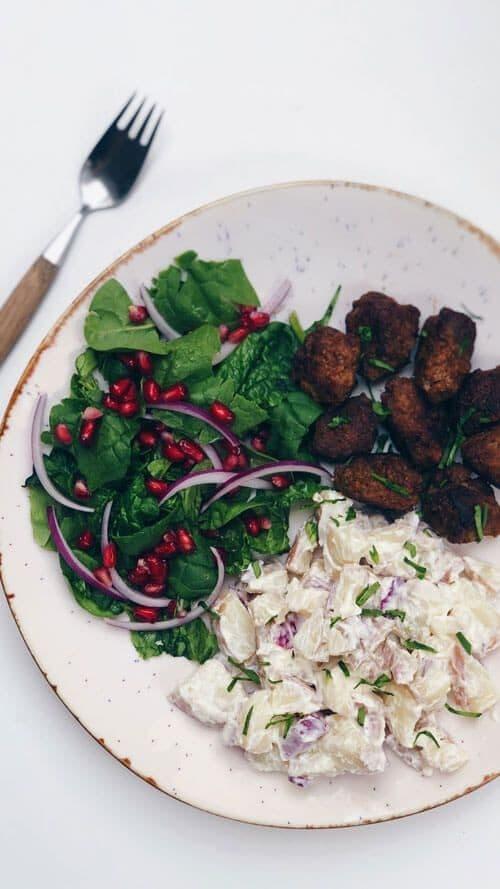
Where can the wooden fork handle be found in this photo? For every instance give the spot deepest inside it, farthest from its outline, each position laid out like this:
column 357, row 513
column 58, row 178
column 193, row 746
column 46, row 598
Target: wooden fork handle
column 16, row 313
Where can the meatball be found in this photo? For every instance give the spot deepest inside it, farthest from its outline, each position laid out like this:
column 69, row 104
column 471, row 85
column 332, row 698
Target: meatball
column 352, row 429
column 444, row 352
column 482, row 453
column 479, row 400
column 383, row 480
column 326, row 363
column 388, row 333
column 460, row 507
column 416, row 427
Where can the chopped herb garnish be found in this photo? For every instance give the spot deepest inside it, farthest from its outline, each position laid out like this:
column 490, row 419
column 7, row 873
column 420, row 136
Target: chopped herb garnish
column 423, row 334
column 381, row 443
column 413, row 645
column 464, row 642
column 338, row 500
column 345, row 669
column 274, row 681
column 464, row 345
column 361, row 715
column 372, row 612
column 334, row 620
column 374, row 556
column 480, row 519
column 312, row 530
column 246, row 675
column 390, row 485
column 455, row 440
column 410, row 548
column 257, row 570
column 330, row 308
column 394, row 613
column 271, row 619
column 365, row 333
column 327, row 672
column 471, row 314
column 297, row 327
column 350, row 514
column 335, row 521
column 247, row 721
column 209, row 610
column 485, row 419
column 338, row 421
column 420, row 570
column 379, row 409
column 377, row 362
column 285, row 719
column 379, row 682
column 366, row 593
column 470, row 713
column 427, row 734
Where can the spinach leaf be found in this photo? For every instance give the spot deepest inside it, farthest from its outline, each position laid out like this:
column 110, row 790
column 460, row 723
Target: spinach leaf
column 193, row 576
column 193, row 641
column 189, row 357
column 61, row 468
column 290, row 420
column 237, row 545
column 135, row 508
column 146, row 538
column 200, row 292
column 83, row 385
column 95, row 602
column 261, row 365
column 107, row 325
column 39, row 501
column 107, row 459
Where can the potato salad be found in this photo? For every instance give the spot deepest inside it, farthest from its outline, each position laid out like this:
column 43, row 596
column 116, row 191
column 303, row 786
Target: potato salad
column 358, row 642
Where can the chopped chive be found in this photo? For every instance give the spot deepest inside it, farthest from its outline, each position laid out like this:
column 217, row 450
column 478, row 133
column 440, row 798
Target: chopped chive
column 271, row 619
column 485, row 419
column 410, row 548
column 274, row 681
column 257, row 570
column 464, row 642
column 330, row 308
column 284, row 719
column 345, row 669
column 338, row 421
column 455, row 440
column 312, row 530
column 334, row 620
column 480, row 519
column 361, row 715
column 365, row 333
column 420, row 570
column 366, row 593
column 246, row 675
column 335, row 521
column 372, row 612
column 464, row 345
column 350, row 514
column 379, row 409
column 423, row 334
column 296, row 326
column 376, row 362
column 391, row 486
column 471, row 314
column 379, row 682
column 413, row 645
column 470, row 713
column 427, row 734
column 381, row 443
column 394, row 613
column 247, row 721
column 327, row 672
column 209, row 610
column 374, row 556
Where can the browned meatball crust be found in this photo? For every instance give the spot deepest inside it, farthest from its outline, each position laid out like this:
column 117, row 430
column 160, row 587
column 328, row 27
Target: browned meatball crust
column 444, row 352
column 416, row 427
column 386, row 481
column 388, row 333
column 346, row 431
column 482, row 453
column 326, row 363
column 449, row 506
column 479, row 400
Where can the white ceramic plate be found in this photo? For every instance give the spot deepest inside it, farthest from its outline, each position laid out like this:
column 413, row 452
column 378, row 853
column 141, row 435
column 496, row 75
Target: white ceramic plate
column 319, row 234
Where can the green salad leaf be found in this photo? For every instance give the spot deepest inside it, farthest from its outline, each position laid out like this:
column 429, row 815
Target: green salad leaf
column 95, row 602
column 193, row 641
column 189, row 357
column 39, row 501
column 108, row 327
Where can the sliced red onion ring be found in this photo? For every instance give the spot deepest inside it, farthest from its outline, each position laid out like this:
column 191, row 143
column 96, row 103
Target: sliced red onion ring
column 304, row 733
column 118, row 583
column 156, row 317
column 251, row 475
column 278, row 299
column 71, row 560
column 211, row 454
column 178, row 621
column 210, row 477
column 38, row 462
column 183, row 407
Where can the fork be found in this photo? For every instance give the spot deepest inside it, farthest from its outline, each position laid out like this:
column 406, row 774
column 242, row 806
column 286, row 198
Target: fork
column 105, row 180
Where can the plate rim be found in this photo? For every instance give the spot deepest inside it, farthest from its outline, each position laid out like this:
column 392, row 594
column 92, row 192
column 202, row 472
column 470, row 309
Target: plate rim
column 48, row 340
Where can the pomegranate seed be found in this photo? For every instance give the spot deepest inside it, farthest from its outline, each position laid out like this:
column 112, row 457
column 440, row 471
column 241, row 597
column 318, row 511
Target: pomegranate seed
column 92, row 413
column 244, row 309
column 103, row 576
column 170, row 537
column 188, row 464
column 157, row 568
column 173, row 452
column 158, row 427
column 146, row 438
column 238, row 334
column 129, row 409
column 231, row 462
column 223, row 332
column 156, row 487
column 265, row 523
column 154, row 589
column 110, row 403
column 185, row 541
column 138, row 576
column 167, row 436
column 192, row 450
column 144, row 363
column 109, row 555
column 171, row 608
column 86, row 540
column 280, row 481
column 63, row 434
column 221, row 412
column 165, row 550
column 137, row 314
column 87, row 432
column 242, row 461
column 210, row 532
column 81, row 489
column 151, row 391
column 142, row 612
column 128, row 359
column 252, row 524
column 258, row 320
column 258, row 443
column 177, row 392
column 123, row 390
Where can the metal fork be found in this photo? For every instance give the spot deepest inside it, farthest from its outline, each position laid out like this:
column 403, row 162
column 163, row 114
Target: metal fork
column 105, row 180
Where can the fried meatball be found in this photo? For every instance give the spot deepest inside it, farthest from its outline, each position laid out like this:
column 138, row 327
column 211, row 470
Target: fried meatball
column 416, row 427
column 444, row 352
column 383, row 480
column 482, row 453
column 479, row 400
column 326, row 363
column 449, row 506
column 388, row 333
column 346, row 431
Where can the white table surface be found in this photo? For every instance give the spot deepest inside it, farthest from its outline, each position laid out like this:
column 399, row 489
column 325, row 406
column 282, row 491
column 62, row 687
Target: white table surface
column 403, row 94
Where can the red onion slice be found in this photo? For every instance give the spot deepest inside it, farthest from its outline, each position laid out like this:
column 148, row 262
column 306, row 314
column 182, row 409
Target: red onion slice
column 183, row 407
column 210, row 477
column 251, row 475
column 304, row 733
column 177, row 621
column 156, row 317
column 118, row 583
column 211, row 454
column 71, row 560
column 278, row 299
column 39, row 465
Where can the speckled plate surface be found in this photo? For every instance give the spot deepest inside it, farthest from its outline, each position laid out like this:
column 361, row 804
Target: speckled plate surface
column 319, row 234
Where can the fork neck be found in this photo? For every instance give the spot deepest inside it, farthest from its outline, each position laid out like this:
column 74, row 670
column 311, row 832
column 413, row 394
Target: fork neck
column 58, row 247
